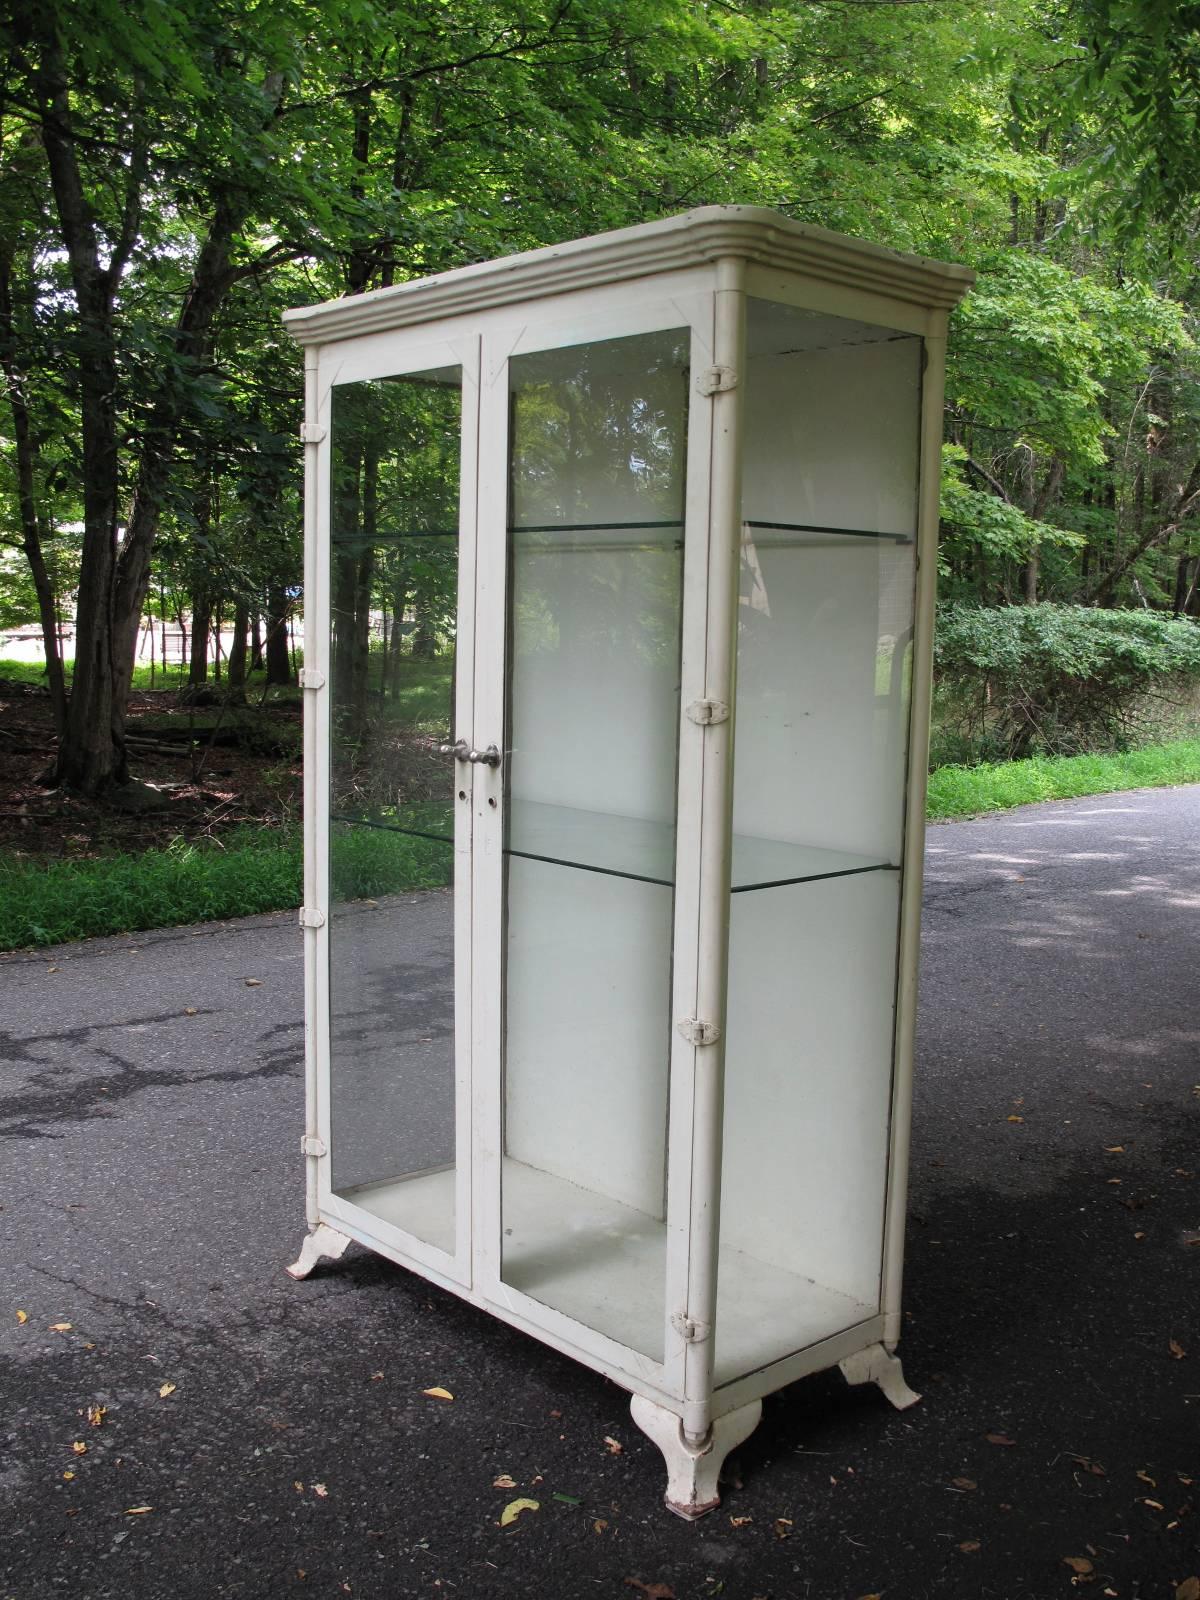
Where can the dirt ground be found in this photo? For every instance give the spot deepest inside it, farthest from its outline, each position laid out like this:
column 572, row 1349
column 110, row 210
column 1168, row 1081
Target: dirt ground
column 212, row 770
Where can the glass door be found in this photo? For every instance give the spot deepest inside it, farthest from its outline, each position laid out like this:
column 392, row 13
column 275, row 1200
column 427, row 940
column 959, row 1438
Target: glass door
column 597, row 476
column 399, row 793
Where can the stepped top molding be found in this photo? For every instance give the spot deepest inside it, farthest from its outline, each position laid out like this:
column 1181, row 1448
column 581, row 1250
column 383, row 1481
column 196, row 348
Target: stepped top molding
column 694, row 238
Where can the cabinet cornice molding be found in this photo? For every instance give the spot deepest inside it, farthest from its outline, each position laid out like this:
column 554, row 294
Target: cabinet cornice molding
column 693, row 239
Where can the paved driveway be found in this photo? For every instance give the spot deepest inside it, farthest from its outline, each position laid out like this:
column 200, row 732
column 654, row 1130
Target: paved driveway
column 150, row 1110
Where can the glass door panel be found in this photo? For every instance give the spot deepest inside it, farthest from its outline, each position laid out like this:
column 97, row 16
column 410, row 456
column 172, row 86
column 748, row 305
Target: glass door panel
column 394, row 519
column 598, row 453
column 824, row 656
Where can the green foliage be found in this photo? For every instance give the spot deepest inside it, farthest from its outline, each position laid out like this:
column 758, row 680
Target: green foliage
column 995, row 786
column 1057, row 679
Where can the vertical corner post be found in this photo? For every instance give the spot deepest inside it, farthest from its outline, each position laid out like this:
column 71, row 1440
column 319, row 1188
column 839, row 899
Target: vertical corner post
column 712, row 967
column 932, row 390
column 314, row 662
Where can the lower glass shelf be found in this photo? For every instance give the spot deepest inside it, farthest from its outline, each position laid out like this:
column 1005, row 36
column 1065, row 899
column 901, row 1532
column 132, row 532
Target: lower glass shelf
column 633, row 847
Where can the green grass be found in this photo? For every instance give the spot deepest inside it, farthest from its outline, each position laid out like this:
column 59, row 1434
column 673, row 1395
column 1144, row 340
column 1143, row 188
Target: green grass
column 175, row 677
column 251, row 870
column 995, row 786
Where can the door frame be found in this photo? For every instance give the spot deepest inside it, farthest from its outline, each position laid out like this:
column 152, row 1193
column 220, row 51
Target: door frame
column 392, row 355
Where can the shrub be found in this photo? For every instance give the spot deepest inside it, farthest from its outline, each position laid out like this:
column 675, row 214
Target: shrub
column 1054, row 679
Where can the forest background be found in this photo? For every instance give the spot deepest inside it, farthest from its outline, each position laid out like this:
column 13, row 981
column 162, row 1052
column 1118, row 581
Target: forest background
column 176, row 173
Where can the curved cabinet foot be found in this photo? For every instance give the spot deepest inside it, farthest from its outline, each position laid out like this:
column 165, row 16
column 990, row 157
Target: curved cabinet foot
column 323, row 1243
column 693, row 1469
column 877, row 1365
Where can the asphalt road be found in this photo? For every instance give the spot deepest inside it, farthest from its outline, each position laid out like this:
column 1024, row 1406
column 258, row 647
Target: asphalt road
column 151, row 1193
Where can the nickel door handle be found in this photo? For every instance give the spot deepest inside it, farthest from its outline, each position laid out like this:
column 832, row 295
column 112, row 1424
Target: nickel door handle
column 486, row 758
column 460, row 750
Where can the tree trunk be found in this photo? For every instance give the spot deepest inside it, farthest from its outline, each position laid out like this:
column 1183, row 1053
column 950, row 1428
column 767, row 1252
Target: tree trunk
column 279, row 664
column 256, row 641
column 33, row 527
column 237, row 647
column 201, row 626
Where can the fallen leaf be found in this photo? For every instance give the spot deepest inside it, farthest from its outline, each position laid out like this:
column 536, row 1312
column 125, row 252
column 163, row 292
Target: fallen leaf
column 567, row 1499
column 297, row 1485
column 969, row 1546
column 599, row 1525
column 321, row 1492
column 1176, row 1349
column 60, row 1327
column 1113, row 1180
column 252, row 983
column 504, row 1482
column 1189, row 1589
column 67, row 1476
column 1114, row 1149
column 998, row 1438
column 783, row 1527
column 740, row 1522
column 438, row 1394
column 615, row 1447
column 22, row 1316
column 377, row 1377
column 1094, row 1467
column 1146, row 1478
column 79, row 1447
column 652, row 1591
column 96, row 1415
column 1015, row 1118
column 137, row 1511
column 1079, row 1564
column 1139, row 1236
column 514, row 1509
column 189, row 1011
column 965, row 1484
column 165, row 1389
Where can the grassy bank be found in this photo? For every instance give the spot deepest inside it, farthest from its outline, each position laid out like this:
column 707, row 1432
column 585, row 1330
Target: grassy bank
column 996, row 786
column 255, row 869
column 250, row 870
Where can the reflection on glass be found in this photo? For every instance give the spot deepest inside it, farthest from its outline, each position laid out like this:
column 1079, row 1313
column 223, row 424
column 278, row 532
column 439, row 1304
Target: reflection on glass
column 394, row 574
column 824, row 652
column 598, row 461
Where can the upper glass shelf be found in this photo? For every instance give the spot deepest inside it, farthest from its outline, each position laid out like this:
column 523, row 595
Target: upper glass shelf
column 799, row 535
column 632, row 847
column 593, row 536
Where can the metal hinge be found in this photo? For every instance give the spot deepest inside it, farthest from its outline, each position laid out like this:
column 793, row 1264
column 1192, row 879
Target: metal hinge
column 312, row 1145
column 689, row 1329
column 311, row 919
column 311, row 432
column 716, row 380
column 706, row 712
column 697, row 1031
column 310, row 678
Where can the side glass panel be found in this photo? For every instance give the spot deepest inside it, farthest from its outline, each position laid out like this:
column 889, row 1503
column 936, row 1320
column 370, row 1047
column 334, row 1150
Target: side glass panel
column 394, row 497
column 598, row 464
column 824, row 656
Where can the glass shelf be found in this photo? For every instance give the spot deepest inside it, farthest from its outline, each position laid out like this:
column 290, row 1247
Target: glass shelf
column 632, row 847
column 649, row 535
column 804, row 535
column 629, row 847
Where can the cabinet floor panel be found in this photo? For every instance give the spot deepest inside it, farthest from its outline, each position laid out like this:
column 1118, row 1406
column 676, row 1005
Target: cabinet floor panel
column 604, row 1265
column 422, row 1205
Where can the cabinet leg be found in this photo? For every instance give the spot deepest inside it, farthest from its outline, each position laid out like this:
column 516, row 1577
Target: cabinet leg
column 322, row 1243
column 877, row 1365
column 693, row 1469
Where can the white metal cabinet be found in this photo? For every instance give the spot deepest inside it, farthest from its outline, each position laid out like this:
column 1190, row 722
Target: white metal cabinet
column 618, row 606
